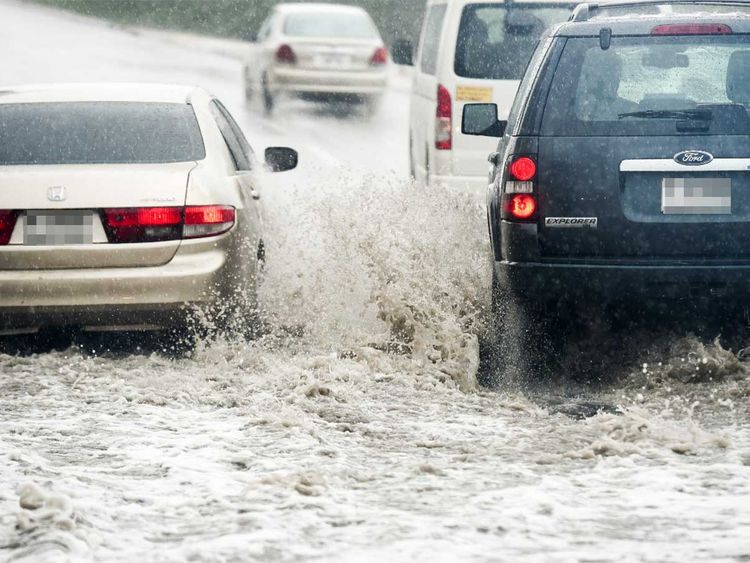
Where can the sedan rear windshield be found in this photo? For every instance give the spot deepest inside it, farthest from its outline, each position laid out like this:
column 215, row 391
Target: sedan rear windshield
column 651, row 86
column 495, row 41
column 98, row 133
column 326, row 24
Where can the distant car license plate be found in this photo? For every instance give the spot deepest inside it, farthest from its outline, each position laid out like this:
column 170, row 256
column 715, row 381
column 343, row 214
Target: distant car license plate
column 333, row 61
column 696, row 196
column 58, row 228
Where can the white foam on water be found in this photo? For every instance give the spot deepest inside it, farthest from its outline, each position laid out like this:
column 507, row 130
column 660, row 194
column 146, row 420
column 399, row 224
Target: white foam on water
column 354, row 431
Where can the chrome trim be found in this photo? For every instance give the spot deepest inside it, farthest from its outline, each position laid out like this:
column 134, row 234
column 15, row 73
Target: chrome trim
column 669, row 165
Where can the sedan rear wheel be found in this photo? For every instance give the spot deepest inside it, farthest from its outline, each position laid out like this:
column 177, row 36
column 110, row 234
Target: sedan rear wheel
column 268, row 98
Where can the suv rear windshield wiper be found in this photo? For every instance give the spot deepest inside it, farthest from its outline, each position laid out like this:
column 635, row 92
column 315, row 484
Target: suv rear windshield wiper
column 701, row 114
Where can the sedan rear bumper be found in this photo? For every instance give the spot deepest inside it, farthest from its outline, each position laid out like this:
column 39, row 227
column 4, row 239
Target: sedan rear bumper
column 335, row 82
column 116, row 297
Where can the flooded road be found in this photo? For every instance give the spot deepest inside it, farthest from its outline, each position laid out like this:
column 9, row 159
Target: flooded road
column 353, row 430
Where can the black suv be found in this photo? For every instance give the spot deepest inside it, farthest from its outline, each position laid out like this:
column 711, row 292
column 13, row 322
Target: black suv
column 623, row 171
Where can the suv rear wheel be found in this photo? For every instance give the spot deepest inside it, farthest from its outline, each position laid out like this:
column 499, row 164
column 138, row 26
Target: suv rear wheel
column 523, row 339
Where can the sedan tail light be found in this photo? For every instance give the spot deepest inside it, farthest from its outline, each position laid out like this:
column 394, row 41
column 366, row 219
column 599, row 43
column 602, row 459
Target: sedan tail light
column 519, row 200
column 154, row 224
column 7, row 224
column 444, row 120
column 207, row 220
column 380, row 57
column 285, row 54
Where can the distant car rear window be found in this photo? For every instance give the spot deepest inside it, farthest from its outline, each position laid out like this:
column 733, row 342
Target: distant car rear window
column 495, row 41
column 98, row 133
column 651, row 86
column 326, row 24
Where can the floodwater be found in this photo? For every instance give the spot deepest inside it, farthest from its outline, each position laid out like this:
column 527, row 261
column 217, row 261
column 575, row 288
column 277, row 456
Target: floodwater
column 354, row 429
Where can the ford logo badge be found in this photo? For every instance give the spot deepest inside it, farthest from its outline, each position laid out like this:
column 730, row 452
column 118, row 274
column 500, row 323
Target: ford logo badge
column 693, row 158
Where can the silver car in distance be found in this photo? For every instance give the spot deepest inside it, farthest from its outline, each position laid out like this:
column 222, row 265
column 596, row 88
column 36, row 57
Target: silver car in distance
column 126, row 206
column 318, row 52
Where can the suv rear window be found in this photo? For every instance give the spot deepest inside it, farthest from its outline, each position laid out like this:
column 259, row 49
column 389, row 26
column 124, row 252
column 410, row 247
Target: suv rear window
column 495, row 41
column 98, row 133
column 651, row 86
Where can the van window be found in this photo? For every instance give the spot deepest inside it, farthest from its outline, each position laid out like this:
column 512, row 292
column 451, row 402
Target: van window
column 431, row 39
column 495, row 41
column 652, row 86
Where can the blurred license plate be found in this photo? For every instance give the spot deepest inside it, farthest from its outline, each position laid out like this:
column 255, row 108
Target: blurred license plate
column 58, row 228
column 696, row 196
column 333, row 61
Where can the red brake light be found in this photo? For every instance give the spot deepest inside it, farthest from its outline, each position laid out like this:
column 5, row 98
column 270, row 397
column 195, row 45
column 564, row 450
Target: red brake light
column 153, row 224
column 692, row 29
column 521, row 206
column 285, row 54
column 522, row 169
column 444, row 120
column 207, row 220
column 142, row 224
column 7, row 224
column 380, row 57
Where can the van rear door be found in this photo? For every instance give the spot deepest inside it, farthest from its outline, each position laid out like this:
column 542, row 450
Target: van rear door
column 494, row 44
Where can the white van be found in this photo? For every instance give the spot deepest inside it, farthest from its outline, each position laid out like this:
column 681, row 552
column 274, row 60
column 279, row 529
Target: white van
column 470, row 51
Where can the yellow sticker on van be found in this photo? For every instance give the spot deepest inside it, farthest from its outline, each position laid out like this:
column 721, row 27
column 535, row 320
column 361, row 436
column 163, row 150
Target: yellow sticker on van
column 481, row 94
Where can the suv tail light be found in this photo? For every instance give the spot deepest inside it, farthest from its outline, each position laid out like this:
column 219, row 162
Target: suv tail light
column 692, row 29
column 519, row 200
column 285, row 54
column 380, row 57
column 7, row 224
column 444, row 120
column 154, row 224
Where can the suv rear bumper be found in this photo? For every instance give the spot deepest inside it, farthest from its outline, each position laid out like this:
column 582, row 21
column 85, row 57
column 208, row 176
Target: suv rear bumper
column 604, row 283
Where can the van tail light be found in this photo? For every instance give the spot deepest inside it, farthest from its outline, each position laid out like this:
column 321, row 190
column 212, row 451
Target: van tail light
column 519, row 199
column 207, row 220
column 154, row 224
column 692, row 29
column 7, row 224
column 380, row 57
column 444, row 120
column 285, row 54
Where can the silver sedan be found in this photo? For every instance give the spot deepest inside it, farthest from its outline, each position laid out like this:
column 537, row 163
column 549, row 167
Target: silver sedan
column 126, row 207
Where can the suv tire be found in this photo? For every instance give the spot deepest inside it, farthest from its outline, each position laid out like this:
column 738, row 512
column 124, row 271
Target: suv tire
column 521, row 339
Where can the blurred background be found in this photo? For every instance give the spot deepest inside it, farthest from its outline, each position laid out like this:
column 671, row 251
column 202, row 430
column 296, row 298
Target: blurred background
column 240, row 19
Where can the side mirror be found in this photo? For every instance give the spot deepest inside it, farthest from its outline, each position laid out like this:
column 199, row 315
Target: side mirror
column 481, row 119
column 281, row 159
column 402, row 52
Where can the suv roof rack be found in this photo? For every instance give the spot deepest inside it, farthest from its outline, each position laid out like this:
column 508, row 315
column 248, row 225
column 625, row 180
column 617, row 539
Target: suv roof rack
column 584, row 11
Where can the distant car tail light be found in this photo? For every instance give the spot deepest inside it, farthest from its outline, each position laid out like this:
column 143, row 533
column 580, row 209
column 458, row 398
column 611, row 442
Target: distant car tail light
column 444, row 120
column 380, row 57
column 7, row 224
column 207, row 220
column 285, row 54
column 155, row 224
column 519, row 200
column 692, row 29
